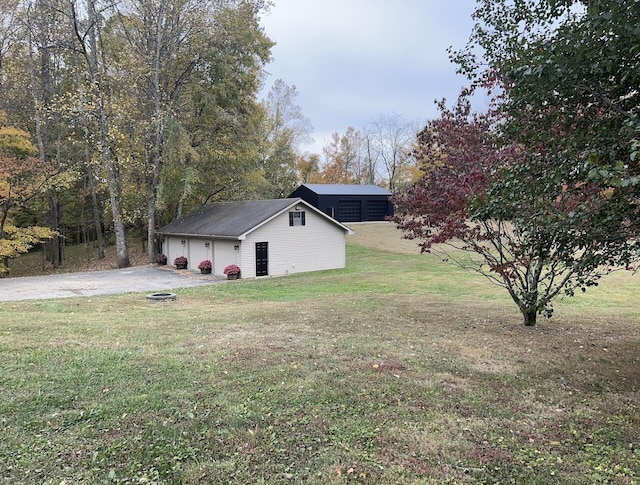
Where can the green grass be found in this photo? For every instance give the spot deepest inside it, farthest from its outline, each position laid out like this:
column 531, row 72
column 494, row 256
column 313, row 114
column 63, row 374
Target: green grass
column 397, row 369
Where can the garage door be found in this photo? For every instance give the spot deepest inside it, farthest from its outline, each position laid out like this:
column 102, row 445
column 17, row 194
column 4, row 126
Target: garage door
column 376, row 210
column 349, row 211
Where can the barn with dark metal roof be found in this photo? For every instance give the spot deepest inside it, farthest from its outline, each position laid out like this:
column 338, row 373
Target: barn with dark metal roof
column 348, row 203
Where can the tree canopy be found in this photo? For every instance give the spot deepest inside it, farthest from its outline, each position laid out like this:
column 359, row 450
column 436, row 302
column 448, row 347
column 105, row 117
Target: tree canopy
column 544, row 188
column 22, row 177
column 149, row 107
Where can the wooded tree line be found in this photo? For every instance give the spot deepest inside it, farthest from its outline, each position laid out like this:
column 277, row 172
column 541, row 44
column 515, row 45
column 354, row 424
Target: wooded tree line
column 382, row 153
column 140, row 110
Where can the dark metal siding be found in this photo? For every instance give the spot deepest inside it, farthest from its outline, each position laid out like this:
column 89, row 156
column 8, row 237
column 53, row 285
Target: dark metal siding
column 356, row 208
column 348, row 208
column 306, row 194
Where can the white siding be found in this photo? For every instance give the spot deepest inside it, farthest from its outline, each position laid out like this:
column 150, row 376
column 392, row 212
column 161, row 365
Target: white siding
column 317, row 245
column 172, row 247
column 194, row 249
column 199, row 251
column 224, row 253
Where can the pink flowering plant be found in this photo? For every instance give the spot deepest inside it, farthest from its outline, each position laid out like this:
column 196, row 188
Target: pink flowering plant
column 206, row 264
column 180, row 261
column 231, row 269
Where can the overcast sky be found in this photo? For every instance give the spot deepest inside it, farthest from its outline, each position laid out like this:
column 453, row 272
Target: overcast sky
column 355, row 60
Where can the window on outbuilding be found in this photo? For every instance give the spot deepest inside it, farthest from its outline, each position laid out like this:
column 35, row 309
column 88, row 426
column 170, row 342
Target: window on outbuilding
column 296, row 218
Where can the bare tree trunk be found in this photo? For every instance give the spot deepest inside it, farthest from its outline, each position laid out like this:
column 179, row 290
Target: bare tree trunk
column 159, row 37
column 152, row 196
column 180, row 207
column 55, row 201
column 530, row 318
column 42, row 102
column 371, row 162
column 89, row 46
column 89, row 173
column 528, row 304
column 55, row 247
column 155, row 142
column 152, row 248
column 97, row 217
column 122, row 252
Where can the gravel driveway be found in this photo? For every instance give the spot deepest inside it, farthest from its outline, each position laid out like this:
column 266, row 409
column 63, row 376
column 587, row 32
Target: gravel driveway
column 129, row 280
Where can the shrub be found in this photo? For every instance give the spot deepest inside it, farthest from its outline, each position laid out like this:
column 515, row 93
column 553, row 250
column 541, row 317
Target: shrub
column 231, row 269
column 180, row 261
column 161, row 258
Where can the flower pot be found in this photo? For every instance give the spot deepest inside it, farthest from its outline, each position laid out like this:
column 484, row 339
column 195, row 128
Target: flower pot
column 181, row 266
column 233, row 276
column 205, row 271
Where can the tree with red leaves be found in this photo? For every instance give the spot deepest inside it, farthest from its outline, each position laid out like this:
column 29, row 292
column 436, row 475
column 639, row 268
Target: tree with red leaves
column 515, row 216
column 544, row 190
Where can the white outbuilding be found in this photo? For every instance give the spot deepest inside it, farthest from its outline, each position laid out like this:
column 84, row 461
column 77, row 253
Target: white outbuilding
column 262, row 237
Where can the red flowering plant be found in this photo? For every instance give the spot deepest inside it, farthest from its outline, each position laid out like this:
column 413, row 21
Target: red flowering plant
column 206, row 264
column 231, row 269
column 180, row 261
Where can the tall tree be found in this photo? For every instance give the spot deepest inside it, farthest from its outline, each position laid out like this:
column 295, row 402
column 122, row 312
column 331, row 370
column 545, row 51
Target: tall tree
column 22, row 177
column 571, row 71
column 391, row 138
column 49, row 44
column 89, row 41
column 223, row 122
column 284, row 115
column 344, row 159
column 286, row 128
column 167, row 40
column 525, row 233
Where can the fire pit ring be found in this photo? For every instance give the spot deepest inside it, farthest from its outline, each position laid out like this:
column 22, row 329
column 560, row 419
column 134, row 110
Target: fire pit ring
column 161, row 297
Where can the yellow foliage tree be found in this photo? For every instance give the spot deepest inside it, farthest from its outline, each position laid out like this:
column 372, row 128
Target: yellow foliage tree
column 22, row 177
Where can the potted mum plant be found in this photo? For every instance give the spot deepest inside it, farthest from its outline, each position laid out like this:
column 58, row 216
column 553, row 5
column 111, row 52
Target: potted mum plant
column 161, row 259
column 180, row 262
column 205, row 266
column 232, row 271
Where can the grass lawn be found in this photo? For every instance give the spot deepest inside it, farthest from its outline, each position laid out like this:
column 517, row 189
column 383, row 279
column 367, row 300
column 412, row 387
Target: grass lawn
column 397, row 369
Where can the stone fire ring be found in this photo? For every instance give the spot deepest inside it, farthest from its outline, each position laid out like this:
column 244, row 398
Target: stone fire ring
column 161, row 297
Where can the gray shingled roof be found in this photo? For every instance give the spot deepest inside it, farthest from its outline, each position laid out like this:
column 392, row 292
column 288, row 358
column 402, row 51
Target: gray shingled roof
column 227, row 219
column 344, row 189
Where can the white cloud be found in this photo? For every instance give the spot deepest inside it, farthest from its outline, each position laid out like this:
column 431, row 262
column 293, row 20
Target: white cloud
column 353, row 60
